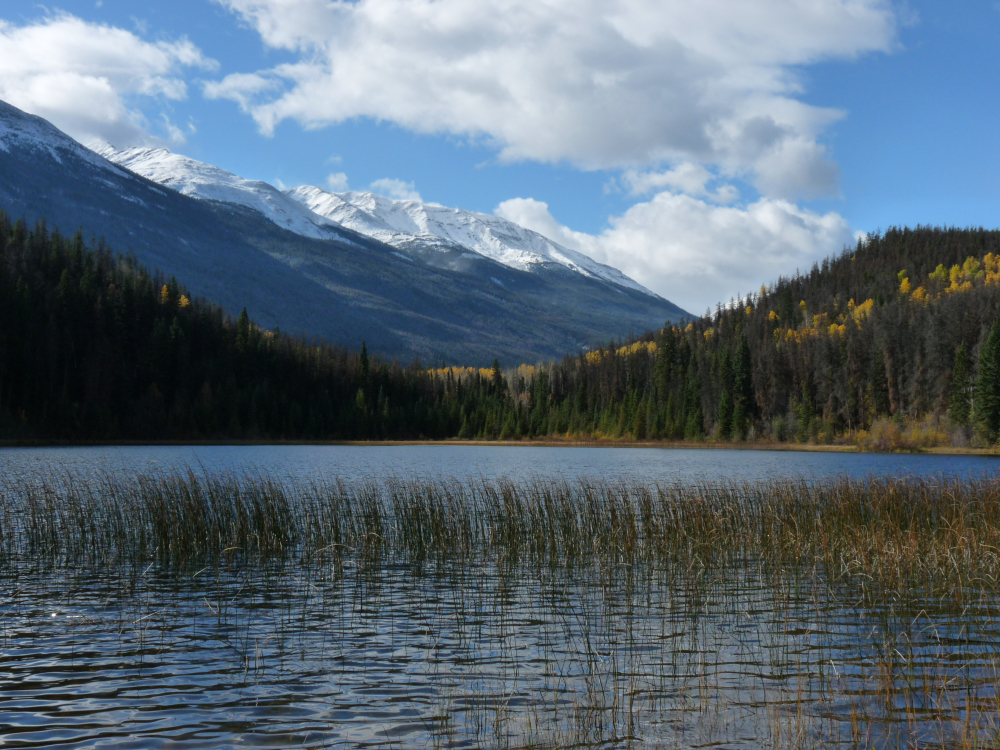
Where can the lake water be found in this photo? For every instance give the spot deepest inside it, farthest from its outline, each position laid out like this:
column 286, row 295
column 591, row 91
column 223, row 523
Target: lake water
column 392, row 652
column 350, row 463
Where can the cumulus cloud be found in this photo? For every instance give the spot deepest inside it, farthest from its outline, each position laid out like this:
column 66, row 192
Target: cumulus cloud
column 85, row 77
column 396, row 189
column 337, row 182
column 692, row 179
column 694, row 253
column 600, row 83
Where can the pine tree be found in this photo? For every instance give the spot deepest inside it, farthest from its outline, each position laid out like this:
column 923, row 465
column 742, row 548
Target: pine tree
column 498, row 381
column 242, row 330
column 987, row 400
column 743, row 401
column 725, row 417
column 363, row 362
column 961, row 386
column 804, row 413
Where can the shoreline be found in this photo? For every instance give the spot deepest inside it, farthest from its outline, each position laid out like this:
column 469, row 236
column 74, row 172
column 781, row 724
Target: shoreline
column 540, row 443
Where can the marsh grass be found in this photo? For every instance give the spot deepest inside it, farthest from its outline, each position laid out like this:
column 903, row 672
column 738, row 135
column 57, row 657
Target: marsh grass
column 860, row 613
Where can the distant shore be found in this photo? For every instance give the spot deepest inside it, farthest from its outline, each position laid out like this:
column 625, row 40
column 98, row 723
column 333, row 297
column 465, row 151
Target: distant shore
column 539, row 443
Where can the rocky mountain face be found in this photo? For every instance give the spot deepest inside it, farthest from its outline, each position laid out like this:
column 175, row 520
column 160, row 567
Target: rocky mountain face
column 242, row 243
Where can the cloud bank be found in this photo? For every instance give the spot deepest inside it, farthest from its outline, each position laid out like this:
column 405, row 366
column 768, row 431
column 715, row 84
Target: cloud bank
column 684, row 100
column 600, row 83
column 694, row 253
column 396, row 189
column 83, row 76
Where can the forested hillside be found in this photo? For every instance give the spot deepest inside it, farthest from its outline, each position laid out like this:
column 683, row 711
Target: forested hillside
column 889, row 343
column 897, row 327
column 93, row 346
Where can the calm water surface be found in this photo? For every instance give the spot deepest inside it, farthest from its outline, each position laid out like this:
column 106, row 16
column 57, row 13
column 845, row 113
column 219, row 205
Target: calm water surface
column 674, row 465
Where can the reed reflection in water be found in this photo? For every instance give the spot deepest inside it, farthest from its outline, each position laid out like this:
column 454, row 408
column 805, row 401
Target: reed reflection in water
column 236, row 610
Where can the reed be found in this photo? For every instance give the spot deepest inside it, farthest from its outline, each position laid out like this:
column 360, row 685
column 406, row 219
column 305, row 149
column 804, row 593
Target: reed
column 940, row 537
column 856, row 613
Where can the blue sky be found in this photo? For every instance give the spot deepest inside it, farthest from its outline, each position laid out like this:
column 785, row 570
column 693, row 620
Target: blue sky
column 704, row 148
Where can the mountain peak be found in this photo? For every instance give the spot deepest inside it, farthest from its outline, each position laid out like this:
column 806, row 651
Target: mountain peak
column 18, row 128
column 442, row 236
column 411, row 226
column 200, row 180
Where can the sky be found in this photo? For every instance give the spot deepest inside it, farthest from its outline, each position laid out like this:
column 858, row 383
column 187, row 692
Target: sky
column 703, row 148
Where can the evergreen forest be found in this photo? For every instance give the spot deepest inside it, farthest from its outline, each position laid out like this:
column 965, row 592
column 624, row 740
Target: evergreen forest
column 892, row 344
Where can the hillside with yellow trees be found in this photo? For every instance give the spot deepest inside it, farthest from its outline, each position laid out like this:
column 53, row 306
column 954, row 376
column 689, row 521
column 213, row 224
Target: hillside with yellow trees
column 887, row 343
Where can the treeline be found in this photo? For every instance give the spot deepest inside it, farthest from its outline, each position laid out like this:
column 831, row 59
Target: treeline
column 896, row 330
column 95, row 347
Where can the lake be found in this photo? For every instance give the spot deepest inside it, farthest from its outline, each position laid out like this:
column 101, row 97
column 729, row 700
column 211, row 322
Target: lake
column 480, row 596
column 351, row 462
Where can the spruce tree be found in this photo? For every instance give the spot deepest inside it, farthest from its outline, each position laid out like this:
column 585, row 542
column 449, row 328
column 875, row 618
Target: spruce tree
column 961, row 385
column 242, row 329
column 987, row 400
column 725, row 416
column 498, row 381
column 363, row 362
column 742, row 389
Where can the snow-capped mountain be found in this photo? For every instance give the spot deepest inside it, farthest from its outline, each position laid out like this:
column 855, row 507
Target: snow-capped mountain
column 200, row 180
column 246, row 244
column 19, row 130
column 440, row 236
column 413, row 226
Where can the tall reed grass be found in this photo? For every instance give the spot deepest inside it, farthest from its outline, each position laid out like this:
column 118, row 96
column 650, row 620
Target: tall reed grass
column 859, row 612
column 939, row 536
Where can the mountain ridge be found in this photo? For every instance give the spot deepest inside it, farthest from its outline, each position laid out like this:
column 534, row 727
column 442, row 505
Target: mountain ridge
column 406, row 223
column 412, row 227
column 202, row 180
column 462, row 307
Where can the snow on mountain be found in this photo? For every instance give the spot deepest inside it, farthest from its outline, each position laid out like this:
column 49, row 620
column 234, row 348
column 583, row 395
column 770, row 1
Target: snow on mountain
column 409, row 225
column 201, row 180
column 19, row 129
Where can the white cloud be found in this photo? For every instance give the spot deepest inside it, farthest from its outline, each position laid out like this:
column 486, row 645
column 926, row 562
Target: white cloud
column 397, row 189
column 687, row 178
column 337, row 182
column 174, row 134
column 533, row 214
column 85, row 77
column 694, row 253
column 601, row 83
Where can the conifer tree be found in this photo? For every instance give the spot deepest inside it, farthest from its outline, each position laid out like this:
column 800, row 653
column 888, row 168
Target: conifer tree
column 242, row 330
column 987, row 400
column 961, row 386
column 742, row 389
column 363, row 364
column 725, row 418
column 497, row 378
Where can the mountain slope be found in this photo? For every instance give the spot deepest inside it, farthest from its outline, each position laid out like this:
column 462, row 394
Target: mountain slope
column 345, row 288
column 200, row 180
column 440, row 236
column 415, row 227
